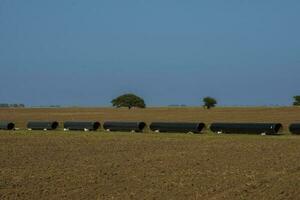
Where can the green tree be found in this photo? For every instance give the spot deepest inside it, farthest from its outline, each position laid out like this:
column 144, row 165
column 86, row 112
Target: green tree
column 129, row 101
column 209, row 102
column 297, row 101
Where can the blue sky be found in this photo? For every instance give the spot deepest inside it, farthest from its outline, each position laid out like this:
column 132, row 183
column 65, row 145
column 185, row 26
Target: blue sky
column 71, row 52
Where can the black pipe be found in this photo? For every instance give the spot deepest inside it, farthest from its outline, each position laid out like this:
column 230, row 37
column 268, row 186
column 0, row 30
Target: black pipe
column 7, row 125
column 247, row 128
column 42, row 125
column 177, row 127
column 81, row 126
column 295, row 128
column 124, row 126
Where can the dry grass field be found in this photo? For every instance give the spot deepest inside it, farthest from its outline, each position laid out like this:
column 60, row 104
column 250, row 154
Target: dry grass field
column 284, row 115
column 98, row 165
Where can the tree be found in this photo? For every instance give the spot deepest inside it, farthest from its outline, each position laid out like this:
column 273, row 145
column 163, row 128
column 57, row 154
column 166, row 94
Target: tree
column 4, row 105
column 209, row 102
column 128, row 100
column 297, row 101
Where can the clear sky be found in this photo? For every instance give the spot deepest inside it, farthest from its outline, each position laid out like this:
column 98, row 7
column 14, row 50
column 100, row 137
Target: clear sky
column 75, row 52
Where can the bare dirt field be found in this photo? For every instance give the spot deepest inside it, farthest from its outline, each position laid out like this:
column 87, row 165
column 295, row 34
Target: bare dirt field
column 60, row 165
column 284, row 115
column 99, row 165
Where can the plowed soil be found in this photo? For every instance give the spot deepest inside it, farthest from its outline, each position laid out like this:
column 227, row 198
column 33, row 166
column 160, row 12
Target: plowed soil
column 62, row 165
column 99, row 165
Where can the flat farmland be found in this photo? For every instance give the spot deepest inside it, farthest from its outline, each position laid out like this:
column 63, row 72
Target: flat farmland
column 60, row 165
column 284, row 115
column 100, row 165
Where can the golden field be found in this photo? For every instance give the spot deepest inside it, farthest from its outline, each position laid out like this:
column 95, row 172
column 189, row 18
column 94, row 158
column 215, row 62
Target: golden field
column 284, row 115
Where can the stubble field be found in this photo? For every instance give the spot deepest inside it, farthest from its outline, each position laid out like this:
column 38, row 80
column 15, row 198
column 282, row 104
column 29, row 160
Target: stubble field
column 284, row 115
column 79, row 165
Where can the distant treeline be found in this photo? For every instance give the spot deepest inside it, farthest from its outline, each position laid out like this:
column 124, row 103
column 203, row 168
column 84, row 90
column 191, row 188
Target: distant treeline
column 177, row 105
column 20, row 105
column 15, row 105
column 47, row 106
